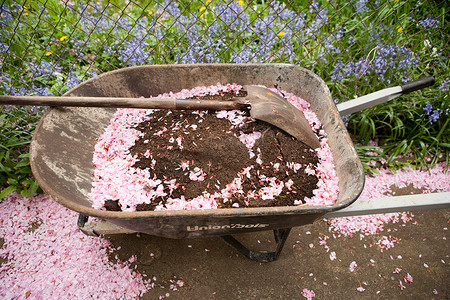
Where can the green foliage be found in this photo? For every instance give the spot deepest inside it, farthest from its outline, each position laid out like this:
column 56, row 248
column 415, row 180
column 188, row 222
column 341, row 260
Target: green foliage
column 404, row 127
column 15, row 172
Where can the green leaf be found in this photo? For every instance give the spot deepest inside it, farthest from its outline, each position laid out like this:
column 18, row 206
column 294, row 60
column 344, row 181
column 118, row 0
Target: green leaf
column 34, row 187
column 24, row 170
column 15, row 144
column 25, row 193
column 23, row 163
column 7, row 191
column 26, row 181
column 13, row 181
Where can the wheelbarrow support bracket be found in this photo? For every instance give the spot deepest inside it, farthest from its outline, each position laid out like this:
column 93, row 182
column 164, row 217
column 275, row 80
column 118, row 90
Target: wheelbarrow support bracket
column 280, row 235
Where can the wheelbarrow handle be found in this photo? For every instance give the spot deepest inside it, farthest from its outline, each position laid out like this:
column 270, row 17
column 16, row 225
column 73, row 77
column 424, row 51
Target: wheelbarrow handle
column 382, row 96
column 417, row 84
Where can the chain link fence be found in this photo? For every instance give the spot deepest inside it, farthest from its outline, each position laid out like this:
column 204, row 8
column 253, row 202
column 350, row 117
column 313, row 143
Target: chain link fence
column 357, row 47
column 49, row 46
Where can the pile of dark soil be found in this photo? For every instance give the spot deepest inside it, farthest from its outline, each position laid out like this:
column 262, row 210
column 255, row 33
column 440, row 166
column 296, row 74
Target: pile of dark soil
column 212, row 145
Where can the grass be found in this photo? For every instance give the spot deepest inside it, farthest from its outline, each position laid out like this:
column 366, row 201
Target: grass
column 15, row 172
column 357, row 47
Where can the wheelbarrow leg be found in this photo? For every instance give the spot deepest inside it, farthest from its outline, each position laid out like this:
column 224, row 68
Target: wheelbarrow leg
column 98, row 228
column 280, row 235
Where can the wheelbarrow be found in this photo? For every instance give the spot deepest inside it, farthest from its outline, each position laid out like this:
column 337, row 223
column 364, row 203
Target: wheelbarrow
column 62, row 149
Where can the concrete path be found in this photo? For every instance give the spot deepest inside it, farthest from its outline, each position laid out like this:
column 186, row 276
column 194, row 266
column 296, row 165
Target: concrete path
column 210, row 269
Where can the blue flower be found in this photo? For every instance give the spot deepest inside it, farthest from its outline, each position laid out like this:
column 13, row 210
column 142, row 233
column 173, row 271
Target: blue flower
column 428, row 108
column 361, row 7
column 444, row 85
column 429, row 22
column 377, row 61
column 432, row 114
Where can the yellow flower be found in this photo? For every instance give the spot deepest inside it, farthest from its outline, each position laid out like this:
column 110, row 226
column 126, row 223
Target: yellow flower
column 63, row 38
column 202, row 8
column 150, row 13
column 202, row 15
column 208, row 2
column 399, row 29
column 281, row 34
column 241, row 2
column 48, row 53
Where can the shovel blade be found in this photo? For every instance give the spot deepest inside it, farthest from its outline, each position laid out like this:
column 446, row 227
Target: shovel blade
column 269, row 107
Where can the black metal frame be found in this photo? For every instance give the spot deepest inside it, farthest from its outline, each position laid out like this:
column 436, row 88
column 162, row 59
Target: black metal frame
column 280, row 235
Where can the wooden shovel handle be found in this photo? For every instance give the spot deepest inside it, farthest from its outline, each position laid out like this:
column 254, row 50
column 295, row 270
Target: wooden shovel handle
column 155, row 103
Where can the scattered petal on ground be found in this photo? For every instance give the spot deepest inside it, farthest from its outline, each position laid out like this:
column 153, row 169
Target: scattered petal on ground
column 379, row 186
column 50, row 258
column 308, row 294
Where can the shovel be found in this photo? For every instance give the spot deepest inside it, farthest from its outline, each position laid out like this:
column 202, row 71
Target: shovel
column 264, row 105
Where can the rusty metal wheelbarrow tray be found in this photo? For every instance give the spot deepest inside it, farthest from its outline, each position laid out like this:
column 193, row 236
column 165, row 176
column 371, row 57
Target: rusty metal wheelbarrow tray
column 63, row 145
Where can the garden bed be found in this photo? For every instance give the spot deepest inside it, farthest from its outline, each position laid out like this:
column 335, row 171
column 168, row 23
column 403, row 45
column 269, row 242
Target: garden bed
column 164, row 159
